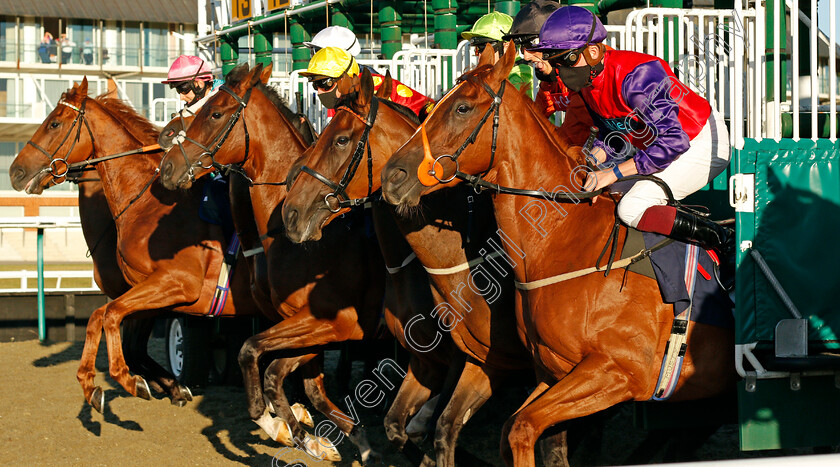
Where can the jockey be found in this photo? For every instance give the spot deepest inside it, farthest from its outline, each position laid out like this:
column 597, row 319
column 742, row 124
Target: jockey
column 649, row 123
column 489, row 29
column 192, row 78
column 331, row 65
column 552, row 96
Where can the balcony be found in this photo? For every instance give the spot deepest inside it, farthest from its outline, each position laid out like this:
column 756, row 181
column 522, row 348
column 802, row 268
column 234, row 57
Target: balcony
column 83, row 58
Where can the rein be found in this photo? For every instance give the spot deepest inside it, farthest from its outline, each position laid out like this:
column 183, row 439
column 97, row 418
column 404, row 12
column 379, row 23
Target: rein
column 218, row 141
column 339, row 189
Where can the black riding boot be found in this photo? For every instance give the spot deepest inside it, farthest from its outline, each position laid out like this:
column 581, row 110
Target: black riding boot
column 706, row 233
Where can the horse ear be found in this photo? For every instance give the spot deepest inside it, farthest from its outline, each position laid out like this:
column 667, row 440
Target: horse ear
column 384, row 91
column 253, row 76
column 347, row 84
column 366, row 89
column 266, row 74
column 83, row 88
column 112, row 92
column 487, row 57
column 502, row 68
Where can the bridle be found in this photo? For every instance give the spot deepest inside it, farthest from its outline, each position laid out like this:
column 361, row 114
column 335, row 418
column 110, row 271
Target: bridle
column 494, row 110
column 338, row 199
column 56, row 164
column 217, row 142
column 432, row 165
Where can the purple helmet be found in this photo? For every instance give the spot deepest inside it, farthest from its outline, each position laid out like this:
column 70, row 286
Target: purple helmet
column 570, row 27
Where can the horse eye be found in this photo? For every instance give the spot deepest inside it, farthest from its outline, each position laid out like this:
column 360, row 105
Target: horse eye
column 342, row 140
column 216, row 115
column 462, row 109
column 54, row 125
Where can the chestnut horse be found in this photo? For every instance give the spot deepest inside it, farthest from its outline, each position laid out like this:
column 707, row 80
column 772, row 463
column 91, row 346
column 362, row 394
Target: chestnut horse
column 595, row 341
column 100, row 234
column 323, row 294
column 155, row 251
column 471, row 301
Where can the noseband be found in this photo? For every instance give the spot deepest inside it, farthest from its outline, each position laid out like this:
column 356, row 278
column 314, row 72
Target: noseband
column 338, row 196
column 217, row 142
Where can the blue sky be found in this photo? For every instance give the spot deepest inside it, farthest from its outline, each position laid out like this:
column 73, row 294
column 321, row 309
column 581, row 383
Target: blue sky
column 822, row 17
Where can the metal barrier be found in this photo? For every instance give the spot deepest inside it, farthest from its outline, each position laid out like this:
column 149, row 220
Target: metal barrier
column 429, row 71
column 39, row 223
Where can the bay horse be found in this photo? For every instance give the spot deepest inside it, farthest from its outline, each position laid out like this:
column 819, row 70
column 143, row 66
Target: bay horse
column 450, row 232
column 323, row 294
column 162, row 245
column 595, row 341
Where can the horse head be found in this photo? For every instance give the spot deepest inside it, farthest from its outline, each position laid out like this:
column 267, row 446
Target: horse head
column 63, row 138
column 428, row 161
column 342, row 168
column 179, row 123
column 216, row 136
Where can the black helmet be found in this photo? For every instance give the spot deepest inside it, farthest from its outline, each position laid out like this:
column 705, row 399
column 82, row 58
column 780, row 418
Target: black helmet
column 529, row 20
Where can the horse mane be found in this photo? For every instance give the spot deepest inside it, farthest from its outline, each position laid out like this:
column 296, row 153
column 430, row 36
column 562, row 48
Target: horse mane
column 138, row 125
column 348, row 100
column 558, row 137
column 235, row 77
column 239, row 72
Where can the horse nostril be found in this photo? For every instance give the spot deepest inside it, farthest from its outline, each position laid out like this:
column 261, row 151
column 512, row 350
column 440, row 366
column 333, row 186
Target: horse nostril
column 399, row 176
column 17, row 174
column 292, row 217
column 166, row 171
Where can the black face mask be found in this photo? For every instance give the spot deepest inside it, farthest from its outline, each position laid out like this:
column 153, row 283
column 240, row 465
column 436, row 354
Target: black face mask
column 577, row 78
column 329, row 98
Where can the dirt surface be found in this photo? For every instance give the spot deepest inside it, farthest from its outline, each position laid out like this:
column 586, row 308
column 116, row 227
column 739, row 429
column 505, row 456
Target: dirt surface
column 45, row 421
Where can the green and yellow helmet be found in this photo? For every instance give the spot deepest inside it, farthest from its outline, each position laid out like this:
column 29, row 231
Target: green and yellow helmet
column 489, row 28
column 331, row 62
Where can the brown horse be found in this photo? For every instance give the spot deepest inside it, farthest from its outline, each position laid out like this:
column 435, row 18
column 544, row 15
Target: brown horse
column 476, row 297
column 155, row 250
column 100, row 234
column 323, row 294
column 595, row 341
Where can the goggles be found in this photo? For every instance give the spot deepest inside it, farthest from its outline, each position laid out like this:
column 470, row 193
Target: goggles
column 566, row 58
column 183, row 87
column 324, row 84
column 526, row 42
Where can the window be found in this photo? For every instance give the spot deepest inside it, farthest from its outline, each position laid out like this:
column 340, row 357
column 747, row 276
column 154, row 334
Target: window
column 131, row 44
column 156, row 44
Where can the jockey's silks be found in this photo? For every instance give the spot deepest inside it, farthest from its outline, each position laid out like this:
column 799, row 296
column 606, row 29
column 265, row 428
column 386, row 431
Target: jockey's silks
column 638, row 98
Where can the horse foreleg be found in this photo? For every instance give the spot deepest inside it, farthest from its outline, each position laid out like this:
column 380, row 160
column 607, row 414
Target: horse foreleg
column 595, row 384
column 314, row 385
column 143, row 296
column 87, row 365
column 136, row 334
column 289, row 431
column 410, row 397
column 474, row 388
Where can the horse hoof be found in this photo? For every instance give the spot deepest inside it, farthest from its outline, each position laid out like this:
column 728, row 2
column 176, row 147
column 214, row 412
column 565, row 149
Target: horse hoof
column 185, row 393
column 372, row 457
column 302, row 415
column 179, row 402
column 321, row 448
column 97, row 399
column 142, row 388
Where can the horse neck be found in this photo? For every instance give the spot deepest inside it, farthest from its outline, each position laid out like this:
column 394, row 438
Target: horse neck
column 388, row 133
column 274, row 145
column 123, row 178
column 565, row 228
column 435, row 238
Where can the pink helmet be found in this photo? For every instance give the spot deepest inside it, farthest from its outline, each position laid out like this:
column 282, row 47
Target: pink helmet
column 188, row 67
